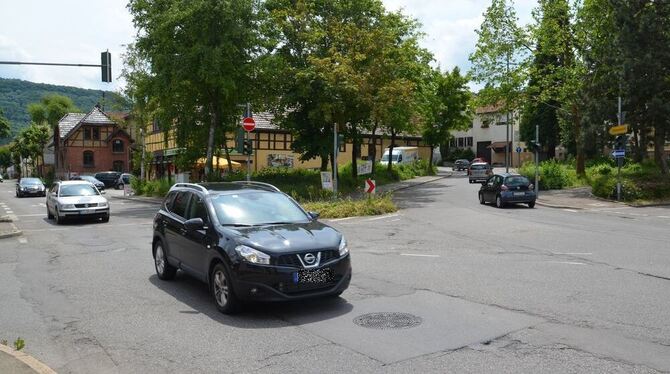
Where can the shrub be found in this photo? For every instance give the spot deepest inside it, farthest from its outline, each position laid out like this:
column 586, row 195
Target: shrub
column 553, row 175
column 460, row 153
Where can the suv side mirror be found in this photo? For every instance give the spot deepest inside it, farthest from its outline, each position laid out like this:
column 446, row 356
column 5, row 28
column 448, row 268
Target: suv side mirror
column 194, row 224
column 314, row 215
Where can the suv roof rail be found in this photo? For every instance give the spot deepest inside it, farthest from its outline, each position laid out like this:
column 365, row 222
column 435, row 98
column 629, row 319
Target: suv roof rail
column 190, row 185
column 266, row 186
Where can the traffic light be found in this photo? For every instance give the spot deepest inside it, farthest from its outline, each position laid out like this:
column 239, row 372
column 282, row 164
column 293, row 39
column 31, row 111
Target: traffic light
column 106, row 64
column 340, row 140
column 620, row 142
column 533, row 146
column 247, row 149
column 239, row 141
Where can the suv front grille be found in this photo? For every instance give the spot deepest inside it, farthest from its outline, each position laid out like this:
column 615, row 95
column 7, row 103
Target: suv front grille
column 293, row 261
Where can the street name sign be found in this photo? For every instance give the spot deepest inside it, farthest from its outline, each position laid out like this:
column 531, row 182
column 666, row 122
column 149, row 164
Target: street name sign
column 618, row 130
column 249, row 124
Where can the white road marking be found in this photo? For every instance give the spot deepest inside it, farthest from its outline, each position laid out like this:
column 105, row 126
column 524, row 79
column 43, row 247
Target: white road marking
column 663, row 216
column 23, row 240
column 395, row 220
column 566, row 262
column 31, row 215
column 340, row 219
column 9, row 211
column 570, row 210
column 382, row 217
column 418, row 255
column 573, row 253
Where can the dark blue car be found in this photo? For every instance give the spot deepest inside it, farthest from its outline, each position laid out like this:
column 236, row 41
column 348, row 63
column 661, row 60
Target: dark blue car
column 507, row 188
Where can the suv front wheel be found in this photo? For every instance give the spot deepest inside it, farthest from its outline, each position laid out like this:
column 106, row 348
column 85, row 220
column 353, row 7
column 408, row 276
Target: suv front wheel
column 164, row 270
column 222, row 292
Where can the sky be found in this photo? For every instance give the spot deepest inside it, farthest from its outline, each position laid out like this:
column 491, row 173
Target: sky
column 76, row 31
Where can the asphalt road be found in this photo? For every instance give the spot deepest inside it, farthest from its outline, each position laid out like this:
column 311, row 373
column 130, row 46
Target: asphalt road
column 489, row 290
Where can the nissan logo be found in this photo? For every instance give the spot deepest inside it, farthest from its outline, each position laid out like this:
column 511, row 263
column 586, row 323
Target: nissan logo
column 309, row 259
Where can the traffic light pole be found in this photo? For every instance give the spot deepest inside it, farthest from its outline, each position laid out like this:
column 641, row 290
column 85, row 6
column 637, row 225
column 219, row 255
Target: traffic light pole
column 335, row 160
column 248, row 140
column 537, row 160
column 619, row 159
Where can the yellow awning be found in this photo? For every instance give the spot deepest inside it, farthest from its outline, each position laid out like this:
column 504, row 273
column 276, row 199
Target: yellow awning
column 220, row 161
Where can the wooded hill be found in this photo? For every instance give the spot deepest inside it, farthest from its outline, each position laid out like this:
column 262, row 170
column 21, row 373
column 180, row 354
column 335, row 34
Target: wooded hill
column 16, row 94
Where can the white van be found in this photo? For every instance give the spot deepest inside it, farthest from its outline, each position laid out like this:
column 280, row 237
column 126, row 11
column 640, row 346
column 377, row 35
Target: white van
column 401, row 155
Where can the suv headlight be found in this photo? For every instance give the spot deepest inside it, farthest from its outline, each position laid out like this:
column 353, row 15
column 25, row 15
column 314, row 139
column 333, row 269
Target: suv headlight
column 102, row 205
column 343, row 247
column 67, row 206
column 252, row 255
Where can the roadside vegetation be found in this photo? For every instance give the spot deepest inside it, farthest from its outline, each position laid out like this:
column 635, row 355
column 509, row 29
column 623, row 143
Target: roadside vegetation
column 641, row 182
column 305, row 186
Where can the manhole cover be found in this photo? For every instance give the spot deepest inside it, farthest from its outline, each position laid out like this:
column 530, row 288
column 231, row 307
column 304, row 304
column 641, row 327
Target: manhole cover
column 388, row 320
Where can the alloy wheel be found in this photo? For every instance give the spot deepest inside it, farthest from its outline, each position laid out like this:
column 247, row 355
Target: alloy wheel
column 220, row 288
column 160, row 259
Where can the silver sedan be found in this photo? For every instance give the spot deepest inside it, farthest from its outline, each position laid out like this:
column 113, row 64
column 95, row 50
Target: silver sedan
column 70, row 199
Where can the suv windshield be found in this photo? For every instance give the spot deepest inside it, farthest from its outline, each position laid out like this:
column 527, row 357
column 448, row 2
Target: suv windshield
column 256, row 208
column 385, row 157
column 77, row 190
column 516, row 181
column 30, row 181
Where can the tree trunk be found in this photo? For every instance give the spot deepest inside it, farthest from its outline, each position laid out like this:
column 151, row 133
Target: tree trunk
column 659, row 145
column 430, row 160
column 389, row 166
column 210, row 139
column 354, row 152
column 227, row 151
column 372, row 152
column 324, row 162
column 579, row 143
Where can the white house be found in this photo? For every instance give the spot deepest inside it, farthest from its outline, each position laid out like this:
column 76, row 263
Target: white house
column 487, row 137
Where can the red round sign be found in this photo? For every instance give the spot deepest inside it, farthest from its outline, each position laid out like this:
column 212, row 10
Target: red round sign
column 249, row 124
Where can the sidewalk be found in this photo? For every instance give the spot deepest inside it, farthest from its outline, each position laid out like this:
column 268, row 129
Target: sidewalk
column 575, row 198
column 17, row 362
column 8, row 229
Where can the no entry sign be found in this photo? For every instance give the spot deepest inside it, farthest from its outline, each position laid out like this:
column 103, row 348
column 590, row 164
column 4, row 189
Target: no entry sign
column 249, row 124
column 370, row 186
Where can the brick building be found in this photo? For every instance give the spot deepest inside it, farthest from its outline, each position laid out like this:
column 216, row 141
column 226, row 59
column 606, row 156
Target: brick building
column 89, row 143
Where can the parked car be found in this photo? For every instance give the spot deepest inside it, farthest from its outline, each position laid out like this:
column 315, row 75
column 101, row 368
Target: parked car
column 479, row 159
column 401, row 155
column 506, row 188
column 30, row 187
column 1, row 180
column 68, row 199
column 93, row 180
column 461, row 164
column 122, row 181
column 479, row 172
column 250, row 242
column 109, row 178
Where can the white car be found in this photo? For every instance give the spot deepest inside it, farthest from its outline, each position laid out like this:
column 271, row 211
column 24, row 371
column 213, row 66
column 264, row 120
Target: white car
column 68, row 199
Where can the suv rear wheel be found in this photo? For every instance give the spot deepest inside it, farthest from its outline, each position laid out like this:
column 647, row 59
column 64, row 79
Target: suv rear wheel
column 222, row 292
column 499, row 202
column 164, row 270
column 481, row 198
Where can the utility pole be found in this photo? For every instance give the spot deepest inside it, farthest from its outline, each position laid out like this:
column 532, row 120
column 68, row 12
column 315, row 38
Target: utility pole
column 537, row 160
column 248, row 140
column 507, row 125
column 143, row 154
column 619, row 160
column 335, row 160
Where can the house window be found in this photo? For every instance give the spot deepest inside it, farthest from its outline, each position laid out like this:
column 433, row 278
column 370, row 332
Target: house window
column 468, row 141
column 96, row 133
column 486, row 123
column 117, row 166
column 87, row 133
column 501, row 123
column 117, row 146
column 155, row 127
column 88, row 159
column 460, row 143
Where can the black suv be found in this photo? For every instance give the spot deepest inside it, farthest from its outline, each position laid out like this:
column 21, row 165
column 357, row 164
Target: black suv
column 249, row 242
column 109, row 178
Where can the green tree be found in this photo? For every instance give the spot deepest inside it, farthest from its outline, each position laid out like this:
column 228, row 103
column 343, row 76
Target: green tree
column 5, row 157
column 48, row 112
column 5, row 128
column 200, row 58
column 450, row 108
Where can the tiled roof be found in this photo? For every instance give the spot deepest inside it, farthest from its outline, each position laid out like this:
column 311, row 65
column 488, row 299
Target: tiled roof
column 69, row 122
column 72, row 120
column 97, row 117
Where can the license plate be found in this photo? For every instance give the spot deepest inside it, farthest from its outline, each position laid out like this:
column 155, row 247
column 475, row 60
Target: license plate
column 313, row 276
column 519, row 194
column 86, row 211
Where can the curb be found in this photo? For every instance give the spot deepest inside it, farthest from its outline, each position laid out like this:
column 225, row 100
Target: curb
column 31, row 361
column 15, row 232
column 538, row 202
column 139, row 199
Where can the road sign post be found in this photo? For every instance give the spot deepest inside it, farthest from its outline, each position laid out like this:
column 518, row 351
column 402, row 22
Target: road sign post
column 370, row 187
column 249, row 125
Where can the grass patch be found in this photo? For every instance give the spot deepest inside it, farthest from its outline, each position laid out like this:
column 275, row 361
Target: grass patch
column 348, row 207
column 641, row 182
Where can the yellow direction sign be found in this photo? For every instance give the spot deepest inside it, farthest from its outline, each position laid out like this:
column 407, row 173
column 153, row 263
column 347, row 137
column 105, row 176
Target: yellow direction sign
column 618, row 130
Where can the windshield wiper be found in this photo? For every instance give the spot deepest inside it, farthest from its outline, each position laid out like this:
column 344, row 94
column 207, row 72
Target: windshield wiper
column 236, row 224
column 278, row 223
